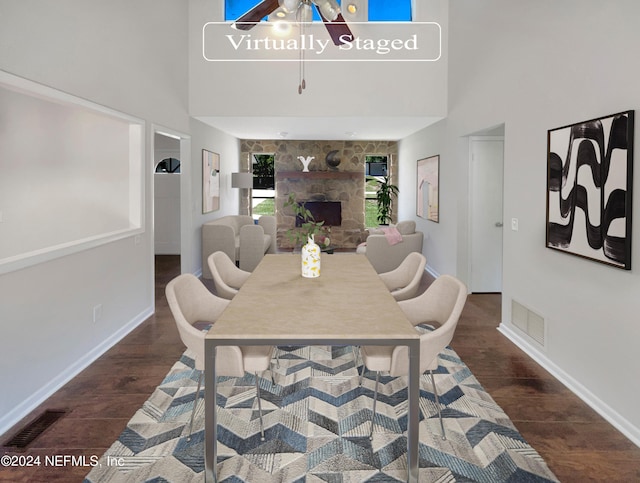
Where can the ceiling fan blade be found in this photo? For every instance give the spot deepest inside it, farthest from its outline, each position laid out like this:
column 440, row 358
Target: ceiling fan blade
column 338, row 29
column 257, row 13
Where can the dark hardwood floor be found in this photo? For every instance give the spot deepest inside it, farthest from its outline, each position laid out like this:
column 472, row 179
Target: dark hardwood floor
column 577, row 444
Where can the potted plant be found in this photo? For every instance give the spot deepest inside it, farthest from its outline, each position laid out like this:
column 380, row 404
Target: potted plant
column 384, row 198
column 308, row 226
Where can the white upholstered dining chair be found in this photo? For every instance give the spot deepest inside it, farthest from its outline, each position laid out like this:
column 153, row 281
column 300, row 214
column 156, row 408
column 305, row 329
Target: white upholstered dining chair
column 404, row 281
column 442, row 302
column 227, row 278
column 191, row 303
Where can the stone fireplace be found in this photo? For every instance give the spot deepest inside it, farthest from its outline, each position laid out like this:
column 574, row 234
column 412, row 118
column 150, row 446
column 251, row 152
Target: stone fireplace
column 344, row 183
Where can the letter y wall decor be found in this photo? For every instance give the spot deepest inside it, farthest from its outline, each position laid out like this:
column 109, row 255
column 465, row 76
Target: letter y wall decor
column 589, row 188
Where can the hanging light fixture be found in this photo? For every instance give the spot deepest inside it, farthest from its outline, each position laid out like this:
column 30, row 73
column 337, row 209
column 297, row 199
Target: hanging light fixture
column 289, row 5
column 328, row 8
column 304, row 15
column 302, row 11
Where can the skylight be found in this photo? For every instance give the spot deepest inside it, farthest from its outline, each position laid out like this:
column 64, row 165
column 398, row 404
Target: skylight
column 379, row 10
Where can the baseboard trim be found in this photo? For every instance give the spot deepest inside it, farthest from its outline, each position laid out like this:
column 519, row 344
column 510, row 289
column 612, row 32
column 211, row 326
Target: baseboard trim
column 599, row 406
column 431, row 271
column 10, row 419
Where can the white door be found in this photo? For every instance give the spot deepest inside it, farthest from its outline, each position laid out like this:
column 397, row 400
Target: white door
column 486, row 170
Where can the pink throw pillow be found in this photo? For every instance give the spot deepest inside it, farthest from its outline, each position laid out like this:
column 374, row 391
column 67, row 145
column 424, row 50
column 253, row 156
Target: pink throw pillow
column 393, row 235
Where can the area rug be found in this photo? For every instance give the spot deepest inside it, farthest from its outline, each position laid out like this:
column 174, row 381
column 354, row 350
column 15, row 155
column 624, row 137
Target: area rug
column 317, row 420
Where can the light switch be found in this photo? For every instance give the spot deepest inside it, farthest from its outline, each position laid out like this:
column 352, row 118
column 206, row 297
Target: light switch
column 514, row 224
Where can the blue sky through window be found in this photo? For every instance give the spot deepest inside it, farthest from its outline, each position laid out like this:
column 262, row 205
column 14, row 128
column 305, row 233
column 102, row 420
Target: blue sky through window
column 379, row 10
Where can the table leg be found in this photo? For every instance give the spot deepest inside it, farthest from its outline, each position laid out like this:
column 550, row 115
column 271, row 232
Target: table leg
column 210, row 423
column 413, row 423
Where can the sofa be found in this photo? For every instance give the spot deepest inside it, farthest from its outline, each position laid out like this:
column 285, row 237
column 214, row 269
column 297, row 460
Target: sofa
column 240, row 238
column 387, row 247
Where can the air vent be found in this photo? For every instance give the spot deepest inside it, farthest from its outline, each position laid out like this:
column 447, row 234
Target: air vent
column 28, row 434
column 528, row 321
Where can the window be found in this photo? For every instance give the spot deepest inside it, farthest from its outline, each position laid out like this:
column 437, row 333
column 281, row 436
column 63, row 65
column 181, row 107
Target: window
column 264, row 185
column 379, row 10
column 375, row 167
column 386, row 11
column 168, row 165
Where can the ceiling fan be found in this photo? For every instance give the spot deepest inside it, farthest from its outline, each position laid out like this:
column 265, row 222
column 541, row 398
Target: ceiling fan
column 329, row 12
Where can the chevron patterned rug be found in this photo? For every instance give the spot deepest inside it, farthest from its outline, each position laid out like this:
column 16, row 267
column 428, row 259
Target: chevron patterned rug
column 317, row 420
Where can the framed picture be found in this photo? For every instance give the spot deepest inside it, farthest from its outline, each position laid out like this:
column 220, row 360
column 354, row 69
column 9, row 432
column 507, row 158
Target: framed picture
column 589, row 187
column 428, row 188
column 210, row 181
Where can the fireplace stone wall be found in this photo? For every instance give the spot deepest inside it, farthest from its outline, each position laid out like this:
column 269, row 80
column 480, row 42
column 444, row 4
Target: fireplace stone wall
column 344, row 183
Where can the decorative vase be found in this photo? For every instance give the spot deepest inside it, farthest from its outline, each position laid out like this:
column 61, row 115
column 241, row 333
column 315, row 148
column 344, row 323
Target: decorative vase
column 310, row 259
column 332, row 159
column 305, row 162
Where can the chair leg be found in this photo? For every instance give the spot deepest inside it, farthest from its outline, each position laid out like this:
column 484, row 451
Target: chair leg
column 375, row 400
column 195, row 403
column 259, row 408
column 362, row 373
column 356, row 352
column 435, row 392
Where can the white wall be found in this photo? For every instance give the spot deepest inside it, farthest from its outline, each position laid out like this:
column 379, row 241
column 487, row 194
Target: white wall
column 439, row 244
column 536, row 66
column 228, row 147
column 125, row 61
column 39, row 192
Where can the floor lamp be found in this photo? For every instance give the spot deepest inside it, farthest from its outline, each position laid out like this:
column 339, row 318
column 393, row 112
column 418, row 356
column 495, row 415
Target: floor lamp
column 243, row 181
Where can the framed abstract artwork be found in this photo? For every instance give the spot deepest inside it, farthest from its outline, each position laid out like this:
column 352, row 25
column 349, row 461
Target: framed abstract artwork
column 210, row 181
column 589, row 188
column 428, row 188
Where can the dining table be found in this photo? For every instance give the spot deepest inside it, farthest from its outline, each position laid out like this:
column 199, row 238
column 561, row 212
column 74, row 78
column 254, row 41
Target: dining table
column 348, row 304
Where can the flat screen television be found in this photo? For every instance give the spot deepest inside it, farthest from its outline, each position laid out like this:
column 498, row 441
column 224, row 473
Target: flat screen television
column 328, row 211
column 376, row 169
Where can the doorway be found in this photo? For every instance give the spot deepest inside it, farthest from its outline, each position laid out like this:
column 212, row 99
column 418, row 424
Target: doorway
column 486, row 171
column 162, row 134
column 166, row 195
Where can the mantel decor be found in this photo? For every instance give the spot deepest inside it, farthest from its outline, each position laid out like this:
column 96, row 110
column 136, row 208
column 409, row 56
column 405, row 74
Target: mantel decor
column 313, row 175
column 210, row 181
column 589, row 188
column 305, row 162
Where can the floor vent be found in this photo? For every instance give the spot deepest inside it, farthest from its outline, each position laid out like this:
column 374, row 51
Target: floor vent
column 528, row 322
column 23, row 438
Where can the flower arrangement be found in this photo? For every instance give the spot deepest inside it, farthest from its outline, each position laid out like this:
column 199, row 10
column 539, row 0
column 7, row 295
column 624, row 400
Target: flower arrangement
column 309, row 226
column 322, row 240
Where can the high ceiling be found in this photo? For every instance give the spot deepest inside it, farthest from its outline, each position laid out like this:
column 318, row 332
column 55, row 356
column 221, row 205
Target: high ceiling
column 320, row 128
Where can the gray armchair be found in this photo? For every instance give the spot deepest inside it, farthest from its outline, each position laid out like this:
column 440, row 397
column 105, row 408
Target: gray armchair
column 240, row 238
column 386, row 257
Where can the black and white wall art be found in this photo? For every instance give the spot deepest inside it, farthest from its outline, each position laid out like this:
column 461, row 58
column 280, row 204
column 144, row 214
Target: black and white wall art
column 589, row 188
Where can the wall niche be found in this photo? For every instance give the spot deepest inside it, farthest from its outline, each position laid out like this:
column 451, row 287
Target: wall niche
column 323, row 182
